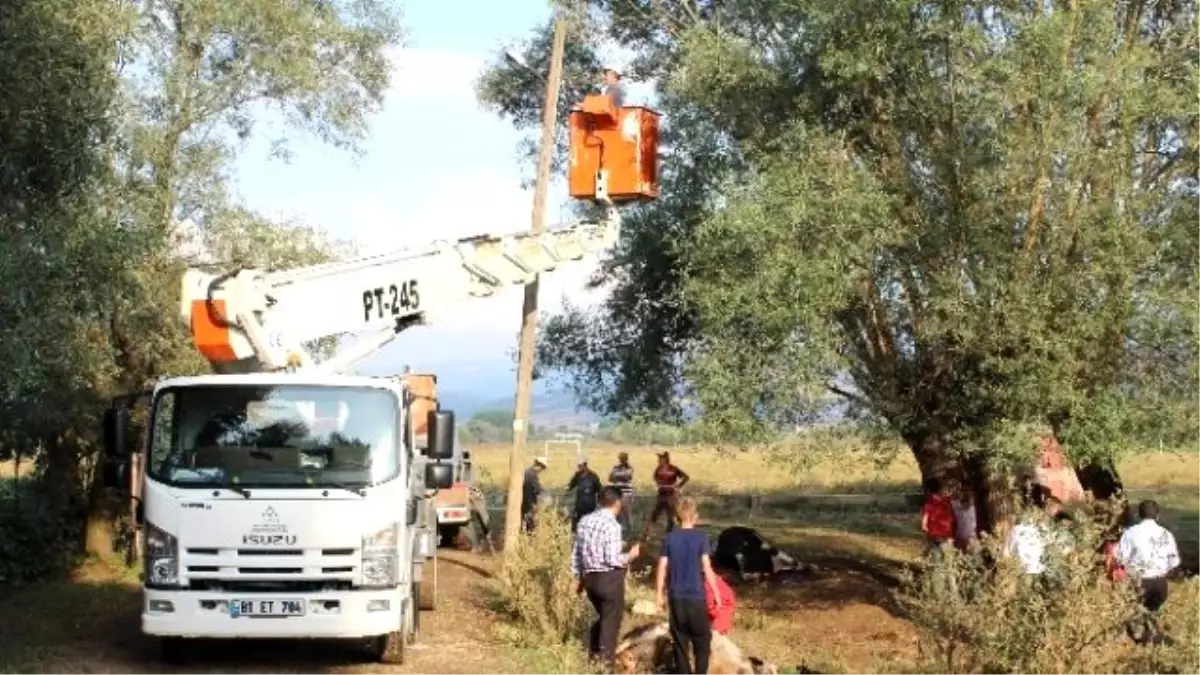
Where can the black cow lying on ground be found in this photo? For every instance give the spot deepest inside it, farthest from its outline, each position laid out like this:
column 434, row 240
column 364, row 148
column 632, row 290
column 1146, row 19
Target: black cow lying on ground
column 743, row 551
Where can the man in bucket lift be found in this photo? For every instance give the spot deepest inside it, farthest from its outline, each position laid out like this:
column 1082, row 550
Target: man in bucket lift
column 612, row 87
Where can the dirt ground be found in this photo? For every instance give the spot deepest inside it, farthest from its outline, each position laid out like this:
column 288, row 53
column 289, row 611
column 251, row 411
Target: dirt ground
column 90, row 625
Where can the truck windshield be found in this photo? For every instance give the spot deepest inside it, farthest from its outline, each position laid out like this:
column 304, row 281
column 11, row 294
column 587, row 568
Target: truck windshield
column 274, row 436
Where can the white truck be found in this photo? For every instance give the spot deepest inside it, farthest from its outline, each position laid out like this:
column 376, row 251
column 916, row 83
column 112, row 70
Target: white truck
column 281, row 498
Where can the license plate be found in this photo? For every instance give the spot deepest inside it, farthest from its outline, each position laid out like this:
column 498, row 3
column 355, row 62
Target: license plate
column 273, row 607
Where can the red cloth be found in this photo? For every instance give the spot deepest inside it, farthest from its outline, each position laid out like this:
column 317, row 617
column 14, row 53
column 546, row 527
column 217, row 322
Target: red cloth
column 722, row 617
column 1114, row 568
column 938, row 514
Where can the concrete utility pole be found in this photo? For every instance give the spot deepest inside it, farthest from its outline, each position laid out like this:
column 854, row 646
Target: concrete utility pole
column 529, row 310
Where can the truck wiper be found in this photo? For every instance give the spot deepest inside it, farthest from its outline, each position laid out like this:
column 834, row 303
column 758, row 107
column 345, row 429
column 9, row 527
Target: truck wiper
column 236, row 488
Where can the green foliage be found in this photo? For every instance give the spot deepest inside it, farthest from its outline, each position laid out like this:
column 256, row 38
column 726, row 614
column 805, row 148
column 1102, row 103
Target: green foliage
column 515, row 89
column 492, row 426
column 119, row 124
column 535, row 586
column 37, row 535
column 967, row 220
column 974, row 618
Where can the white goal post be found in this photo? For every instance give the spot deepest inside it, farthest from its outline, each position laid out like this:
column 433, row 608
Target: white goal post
column 571, row 440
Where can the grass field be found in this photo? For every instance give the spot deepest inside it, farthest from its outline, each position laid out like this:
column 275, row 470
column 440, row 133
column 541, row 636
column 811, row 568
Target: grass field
column 855, row 523
column 849, row 516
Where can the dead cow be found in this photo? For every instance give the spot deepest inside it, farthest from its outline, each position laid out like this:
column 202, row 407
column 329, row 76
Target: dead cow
column 743, row 551
column 648, row 649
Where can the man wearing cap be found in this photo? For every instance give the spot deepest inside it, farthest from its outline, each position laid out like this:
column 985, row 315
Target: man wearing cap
column 532, row 491
column 612, row 87
column 669, row 479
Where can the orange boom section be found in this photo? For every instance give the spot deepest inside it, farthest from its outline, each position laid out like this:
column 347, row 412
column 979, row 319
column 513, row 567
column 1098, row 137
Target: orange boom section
column 210, row 332
column 621, row 142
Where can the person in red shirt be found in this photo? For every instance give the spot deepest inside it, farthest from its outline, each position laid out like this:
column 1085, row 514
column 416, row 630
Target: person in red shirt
column 669, row 479
column 937, row 517
column 721, row 616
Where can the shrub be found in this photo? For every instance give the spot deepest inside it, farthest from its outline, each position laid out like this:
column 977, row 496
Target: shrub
column 535, row 585
column 974, row 617
column 38, row 538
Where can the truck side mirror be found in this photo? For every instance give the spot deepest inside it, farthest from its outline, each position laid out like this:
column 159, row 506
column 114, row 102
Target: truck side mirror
column 116, row 426
column 440, row 430
column 439, row 476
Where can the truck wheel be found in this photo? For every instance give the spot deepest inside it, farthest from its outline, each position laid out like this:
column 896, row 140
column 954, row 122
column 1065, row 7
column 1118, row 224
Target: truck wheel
column 389, row 648
column 427, row 590
column 173, row 649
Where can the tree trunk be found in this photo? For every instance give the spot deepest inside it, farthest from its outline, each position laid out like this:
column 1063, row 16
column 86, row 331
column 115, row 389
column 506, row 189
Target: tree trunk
column 100, row 531
column 993, row 491
column 934, row 456
column 61, row 482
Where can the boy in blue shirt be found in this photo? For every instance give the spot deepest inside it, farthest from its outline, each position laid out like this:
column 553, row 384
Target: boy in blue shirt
column 684, row 568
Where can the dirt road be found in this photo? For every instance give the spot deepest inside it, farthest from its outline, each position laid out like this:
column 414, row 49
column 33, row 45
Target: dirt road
column 90, row 625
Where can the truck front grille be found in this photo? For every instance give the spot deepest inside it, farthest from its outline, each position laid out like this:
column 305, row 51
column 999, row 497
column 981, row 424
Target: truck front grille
column 266, row 569
column 231, row 586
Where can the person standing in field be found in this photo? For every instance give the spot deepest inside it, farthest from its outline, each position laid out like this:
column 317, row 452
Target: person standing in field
column 684, row 570
column 669, row 480
column 1148, row 553
column 965, row 524
column 531, row 491
column 586, row 485
column 938, row 526
column 621, row 478
column 479, row 526
column 599, row 565
column 937, row 518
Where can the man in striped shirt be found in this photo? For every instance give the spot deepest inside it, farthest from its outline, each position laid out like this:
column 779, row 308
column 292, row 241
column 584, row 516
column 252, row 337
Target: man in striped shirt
column 621, row 478
column 600, row 566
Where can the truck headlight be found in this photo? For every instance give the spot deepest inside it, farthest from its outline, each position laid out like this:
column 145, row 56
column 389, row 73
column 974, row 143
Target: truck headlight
column 380, row 558
column 161, row 557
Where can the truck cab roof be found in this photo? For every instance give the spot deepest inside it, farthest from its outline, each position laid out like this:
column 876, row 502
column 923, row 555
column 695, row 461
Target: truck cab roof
column 304, row 379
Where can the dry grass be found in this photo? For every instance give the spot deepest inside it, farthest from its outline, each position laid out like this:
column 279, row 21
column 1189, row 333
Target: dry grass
column 713, row 470
column 853, row 470
column 862, row 545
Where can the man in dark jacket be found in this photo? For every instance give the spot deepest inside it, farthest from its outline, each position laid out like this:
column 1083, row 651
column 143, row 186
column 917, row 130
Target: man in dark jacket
column 532, row 491
column 587, row 486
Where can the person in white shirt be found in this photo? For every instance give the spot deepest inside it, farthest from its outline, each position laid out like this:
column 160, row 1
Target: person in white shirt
column 1027, row 543
column 1029, row 538
column 1148, row 552
column 964, row 518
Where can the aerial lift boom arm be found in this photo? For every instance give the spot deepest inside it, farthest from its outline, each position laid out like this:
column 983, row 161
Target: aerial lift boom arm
column 255, row 321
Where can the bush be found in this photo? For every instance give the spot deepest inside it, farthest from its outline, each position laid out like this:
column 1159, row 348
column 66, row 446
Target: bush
column 973, row 617
column 535, row 585
column 37, row 537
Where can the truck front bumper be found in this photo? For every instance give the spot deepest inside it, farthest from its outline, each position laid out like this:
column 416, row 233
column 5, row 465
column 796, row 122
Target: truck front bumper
column 206, row 614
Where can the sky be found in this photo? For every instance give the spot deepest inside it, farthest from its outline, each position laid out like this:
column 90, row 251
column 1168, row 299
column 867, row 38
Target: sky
column 437, row 166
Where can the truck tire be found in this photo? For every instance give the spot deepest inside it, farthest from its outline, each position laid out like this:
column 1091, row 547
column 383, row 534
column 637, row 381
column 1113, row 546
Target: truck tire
column 389, row 648
column 427, row 589
column 174, row 649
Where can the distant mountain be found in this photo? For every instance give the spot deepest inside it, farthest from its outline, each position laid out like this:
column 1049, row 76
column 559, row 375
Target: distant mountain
column 467, row 387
